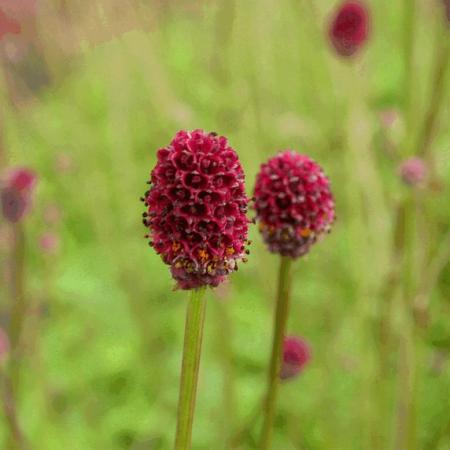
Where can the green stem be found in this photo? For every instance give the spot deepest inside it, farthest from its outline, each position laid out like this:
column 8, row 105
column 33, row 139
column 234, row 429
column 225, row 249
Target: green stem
column 16, row 439
column 281, row 316
column 190, row 367
column 18, row 305
column 437, row 98
column 409, row 30
column 406, row 414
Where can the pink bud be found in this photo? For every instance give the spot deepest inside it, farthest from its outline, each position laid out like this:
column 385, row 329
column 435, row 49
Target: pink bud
column 49, row 243
column 389, row 117
column 296, row 354
column 413, row 171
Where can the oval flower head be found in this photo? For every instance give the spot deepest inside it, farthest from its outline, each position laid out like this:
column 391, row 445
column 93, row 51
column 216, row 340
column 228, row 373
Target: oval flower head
column 293, row 203
column 296, row 354
column 349, row 29
column 196, row 209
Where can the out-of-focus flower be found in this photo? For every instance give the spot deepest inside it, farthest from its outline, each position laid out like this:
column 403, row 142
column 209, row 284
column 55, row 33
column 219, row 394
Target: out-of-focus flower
column 4, row 345
column 349, row 28
column 14, row 204
column 52, row 214
column 196, row 209
column 19, row 8
column 8, row 25
column 22, row 179
column 296, row 354
column 389, row 117
column 15, row 193
column 49, row 243
column 413, row 171
column 64, row 162
column 293, row 202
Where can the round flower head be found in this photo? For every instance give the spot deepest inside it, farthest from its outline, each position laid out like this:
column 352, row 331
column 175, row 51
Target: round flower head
column 15, row 195
column 349, row 28
column 196, row 209
column 296, row 354
column 413, row 171
column 293, row 203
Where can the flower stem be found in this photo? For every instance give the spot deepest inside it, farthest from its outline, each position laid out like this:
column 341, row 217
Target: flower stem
column 193, row 335
column 18, row 305
column 280, row 321
column 16, row 439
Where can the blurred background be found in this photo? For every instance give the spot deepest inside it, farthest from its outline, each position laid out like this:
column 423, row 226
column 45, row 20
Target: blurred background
column 89, row 90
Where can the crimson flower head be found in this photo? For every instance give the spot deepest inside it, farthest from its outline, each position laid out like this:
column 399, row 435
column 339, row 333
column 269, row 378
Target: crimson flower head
column 196, row 209
column 15, row 195
column 349, row 28
column 296, row 354
column 413, row 171
column 293, row 203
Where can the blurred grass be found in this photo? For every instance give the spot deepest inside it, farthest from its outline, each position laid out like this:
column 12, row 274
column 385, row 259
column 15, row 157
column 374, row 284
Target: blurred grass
column 104, row 341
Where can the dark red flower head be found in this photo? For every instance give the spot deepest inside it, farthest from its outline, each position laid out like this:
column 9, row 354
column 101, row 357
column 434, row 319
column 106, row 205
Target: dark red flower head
column 15, row 195
column 349, row 28
column 296, row 354
column 293, row 203
column 197, row 209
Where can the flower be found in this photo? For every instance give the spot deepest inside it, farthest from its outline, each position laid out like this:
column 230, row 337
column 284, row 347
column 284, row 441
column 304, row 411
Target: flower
column 293, row 203
column 49, row 243
column 296, row 354
column 8, row 25
column 349, row 29
column 413, row 171
column 196, row 209
column 15, row 195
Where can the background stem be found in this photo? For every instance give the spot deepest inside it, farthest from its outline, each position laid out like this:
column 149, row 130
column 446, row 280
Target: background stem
column 18, row 307
column 190, row 366
column 280, row 321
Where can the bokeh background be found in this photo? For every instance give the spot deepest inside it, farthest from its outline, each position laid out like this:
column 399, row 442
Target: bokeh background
column 89, row 90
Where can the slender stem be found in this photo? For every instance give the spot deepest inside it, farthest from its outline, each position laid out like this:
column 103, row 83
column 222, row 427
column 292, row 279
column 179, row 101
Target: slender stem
column 437, row 98
column 16, row 437
column 190, row 367
column 18, row 304
column 280, row 321
column 409, row 30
